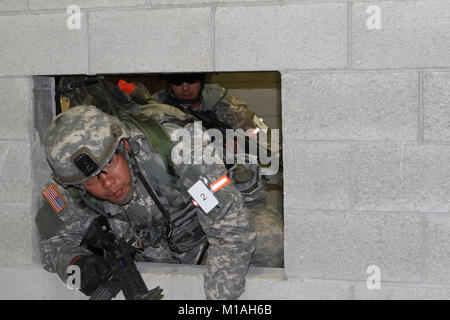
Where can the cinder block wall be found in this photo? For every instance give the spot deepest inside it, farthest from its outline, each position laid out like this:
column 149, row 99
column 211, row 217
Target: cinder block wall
column 366, row 128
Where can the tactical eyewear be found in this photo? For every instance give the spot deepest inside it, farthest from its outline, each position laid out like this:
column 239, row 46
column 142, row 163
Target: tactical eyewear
column 177, row 80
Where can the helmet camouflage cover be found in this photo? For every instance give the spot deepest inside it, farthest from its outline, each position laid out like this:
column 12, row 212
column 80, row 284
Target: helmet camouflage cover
column 80, row 142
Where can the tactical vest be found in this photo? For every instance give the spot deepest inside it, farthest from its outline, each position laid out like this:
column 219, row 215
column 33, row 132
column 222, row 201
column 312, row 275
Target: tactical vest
column 184, row 232
column 183, row 229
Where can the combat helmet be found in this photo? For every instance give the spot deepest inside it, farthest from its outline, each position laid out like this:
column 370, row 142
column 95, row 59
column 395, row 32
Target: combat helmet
column 80, row 142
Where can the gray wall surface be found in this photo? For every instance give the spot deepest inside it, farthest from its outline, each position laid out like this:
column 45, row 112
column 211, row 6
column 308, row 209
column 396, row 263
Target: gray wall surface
column 365, row 105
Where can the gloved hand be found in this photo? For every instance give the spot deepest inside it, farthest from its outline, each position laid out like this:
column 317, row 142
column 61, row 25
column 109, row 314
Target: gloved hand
column 92, row 267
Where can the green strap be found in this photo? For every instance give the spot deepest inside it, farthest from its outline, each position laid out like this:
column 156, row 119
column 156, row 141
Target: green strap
column 157, row 138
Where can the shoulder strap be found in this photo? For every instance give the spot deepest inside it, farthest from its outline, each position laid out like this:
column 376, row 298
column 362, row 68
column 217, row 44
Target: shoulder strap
column 157, row 137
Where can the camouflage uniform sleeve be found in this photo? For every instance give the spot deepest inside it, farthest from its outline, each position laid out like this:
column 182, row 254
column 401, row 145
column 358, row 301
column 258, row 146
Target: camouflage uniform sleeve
column 228, row 229
column 238, row 115
column 235, row 113
column 232, row 242
column 61, row 234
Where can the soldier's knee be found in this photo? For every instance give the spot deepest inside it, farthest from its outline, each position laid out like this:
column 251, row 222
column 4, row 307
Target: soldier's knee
column 269, row 228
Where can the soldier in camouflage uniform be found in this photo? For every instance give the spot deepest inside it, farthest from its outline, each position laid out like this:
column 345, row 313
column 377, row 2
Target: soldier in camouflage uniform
column 101, row 166
column 188, row 90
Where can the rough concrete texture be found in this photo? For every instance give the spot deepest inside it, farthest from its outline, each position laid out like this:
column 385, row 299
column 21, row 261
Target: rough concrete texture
column 63, row 4
column 281, row 37
column 436, row 100
column 16, row 5
column 155, row 47
column 16, row 240
column 15, row 102
column 33, row 44
column 31, row 282
column 402, row 178
column 413, row 34
column 351, row 106
column 15, row 169
column 341, row 245
column 320, row 176
column 365, row 117
column 437, row 255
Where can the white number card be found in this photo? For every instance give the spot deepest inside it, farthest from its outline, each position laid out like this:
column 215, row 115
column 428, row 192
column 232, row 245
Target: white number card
column 203, row 196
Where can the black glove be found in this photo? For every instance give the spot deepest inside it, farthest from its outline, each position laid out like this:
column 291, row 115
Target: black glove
column 92, row 268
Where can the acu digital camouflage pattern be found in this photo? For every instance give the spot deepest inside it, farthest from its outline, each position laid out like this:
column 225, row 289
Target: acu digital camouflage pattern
column 267, row 221
column 82, row 126
column 229, row 228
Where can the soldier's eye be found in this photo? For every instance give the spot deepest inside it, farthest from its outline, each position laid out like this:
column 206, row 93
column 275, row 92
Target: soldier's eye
column 111, row 161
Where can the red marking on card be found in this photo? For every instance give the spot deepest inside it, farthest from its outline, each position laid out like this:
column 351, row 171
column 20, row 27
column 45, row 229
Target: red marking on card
column 220, row 183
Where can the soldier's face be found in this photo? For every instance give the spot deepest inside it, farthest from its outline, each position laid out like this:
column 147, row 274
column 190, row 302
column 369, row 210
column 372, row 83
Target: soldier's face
column 187, row 90
column 113, row 182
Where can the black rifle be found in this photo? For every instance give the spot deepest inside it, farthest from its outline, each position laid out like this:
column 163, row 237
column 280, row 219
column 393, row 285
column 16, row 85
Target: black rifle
column 122, row 273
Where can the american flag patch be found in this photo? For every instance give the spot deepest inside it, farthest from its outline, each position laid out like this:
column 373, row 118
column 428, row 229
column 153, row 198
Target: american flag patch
column 54, row 198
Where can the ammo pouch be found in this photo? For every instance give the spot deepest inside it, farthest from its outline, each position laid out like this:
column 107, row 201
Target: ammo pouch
column 187, row 233
column 247, row 179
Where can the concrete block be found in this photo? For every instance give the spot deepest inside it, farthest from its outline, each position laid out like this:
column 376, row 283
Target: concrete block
column 317, row 176
column 63, row 4
column 141, row 41
column 34, row 283
column 15, row 234
column 296, row 290
column 437, row 249
column 413, row 34
column 185, row 282
column 41, row 171
column 15, row 108
column 13, row 5
column 15, row 172
column 190, row 2
column 436, row 108
column 178, row 281
column 34, row 44
column 402, row 178
column 351, row 106
column 341, row 245
column 44, row 108
column 399, row 292
column 281, row 37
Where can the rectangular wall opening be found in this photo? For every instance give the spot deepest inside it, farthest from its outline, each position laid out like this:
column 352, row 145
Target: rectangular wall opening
column 261, row 91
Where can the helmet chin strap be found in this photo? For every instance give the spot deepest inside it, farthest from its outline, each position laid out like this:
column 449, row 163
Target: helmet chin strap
column 130, row 192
